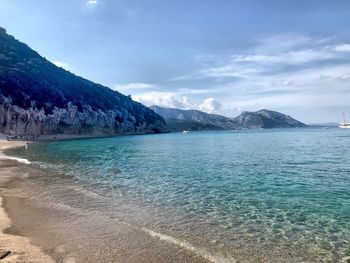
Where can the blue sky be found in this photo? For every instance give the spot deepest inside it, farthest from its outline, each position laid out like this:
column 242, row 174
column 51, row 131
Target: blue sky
column 217, row 56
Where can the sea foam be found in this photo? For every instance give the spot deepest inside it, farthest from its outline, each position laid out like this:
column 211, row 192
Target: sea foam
column 188, row 246
column 20, row 160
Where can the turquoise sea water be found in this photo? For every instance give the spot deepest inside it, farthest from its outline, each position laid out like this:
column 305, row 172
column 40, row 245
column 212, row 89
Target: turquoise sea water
column 279, row 193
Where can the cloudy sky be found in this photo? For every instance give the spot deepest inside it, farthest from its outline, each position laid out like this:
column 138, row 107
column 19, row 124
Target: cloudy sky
column 219, row 56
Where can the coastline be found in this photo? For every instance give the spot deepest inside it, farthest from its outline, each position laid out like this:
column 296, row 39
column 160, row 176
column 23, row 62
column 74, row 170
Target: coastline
column 38, row 230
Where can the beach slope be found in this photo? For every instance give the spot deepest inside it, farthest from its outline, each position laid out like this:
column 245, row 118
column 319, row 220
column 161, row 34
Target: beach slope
column 14, row 248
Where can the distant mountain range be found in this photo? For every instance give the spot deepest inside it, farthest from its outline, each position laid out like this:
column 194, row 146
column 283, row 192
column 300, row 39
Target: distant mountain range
column 178, row 120
column 39, row 98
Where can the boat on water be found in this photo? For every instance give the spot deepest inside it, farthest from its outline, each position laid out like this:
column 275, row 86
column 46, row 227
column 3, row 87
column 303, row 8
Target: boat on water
column 185, row 131
column 344, row 124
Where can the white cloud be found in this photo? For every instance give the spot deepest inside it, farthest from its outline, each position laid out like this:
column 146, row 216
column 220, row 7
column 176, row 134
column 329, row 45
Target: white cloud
column 230, row 70
column 284, row 42
column 301, row 90
column 288, row 73
column 172, row 100
column 91, row 3
column 61, row 64
column 134, row 86
column 163, row 99
column 210, row 105
column 342, row 48
column 287, row 82
column 188, row 91
column 291, row 57
column 268, row 56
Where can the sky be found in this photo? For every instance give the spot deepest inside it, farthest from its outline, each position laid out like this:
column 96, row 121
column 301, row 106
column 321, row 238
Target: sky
column 218, row 56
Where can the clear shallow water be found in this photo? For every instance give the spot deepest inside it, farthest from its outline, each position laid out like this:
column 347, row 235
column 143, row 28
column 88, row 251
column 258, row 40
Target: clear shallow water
column 279, row 193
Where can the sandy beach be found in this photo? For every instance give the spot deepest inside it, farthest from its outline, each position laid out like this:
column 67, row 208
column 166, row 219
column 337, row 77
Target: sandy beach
column 14, row 248
column 36, row 227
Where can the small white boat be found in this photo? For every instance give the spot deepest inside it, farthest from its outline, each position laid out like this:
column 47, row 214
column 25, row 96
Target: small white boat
column 344, row 124
column 185, row 131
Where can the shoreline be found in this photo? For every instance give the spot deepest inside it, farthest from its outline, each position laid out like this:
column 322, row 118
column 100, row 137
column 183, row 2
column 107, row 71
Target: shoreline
column 68, row 137
column 35, row 230
column 14, row 248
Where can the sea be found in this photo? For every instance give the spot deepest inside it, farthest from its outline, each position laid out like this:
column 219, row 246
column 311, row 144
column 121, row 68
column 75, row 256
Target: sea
column 224, row 195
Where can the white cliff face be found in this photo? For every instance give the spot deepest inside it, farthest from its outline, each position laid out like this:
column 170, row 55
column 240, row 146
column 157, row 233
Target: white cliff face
column 35, row 122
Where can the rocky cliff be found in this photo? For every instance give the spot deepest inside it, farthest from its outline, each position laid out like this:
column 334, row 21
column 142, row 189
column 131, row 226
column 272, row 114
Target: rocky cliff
column 39, row 98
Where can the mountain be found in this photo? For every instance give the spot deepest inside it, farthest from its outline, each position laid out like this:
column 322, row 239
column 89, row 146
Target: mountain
column 178, row 120
column 39, row 98
column 267, row 119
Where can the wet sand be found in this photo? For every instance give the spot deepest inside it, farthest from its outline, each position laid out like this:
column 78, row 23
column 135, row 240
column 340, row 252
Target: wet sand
column 14, row 248
column 37, row 229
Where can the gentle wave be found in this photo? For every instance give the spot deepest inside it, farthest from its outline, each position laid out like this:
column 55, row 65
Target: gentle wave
column 186, row 245
column 163, row 237
column 20, row 160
